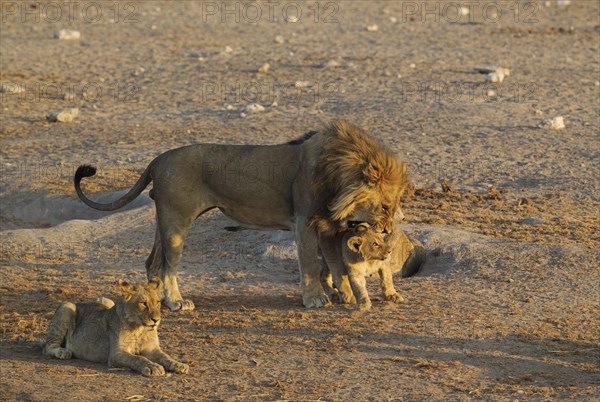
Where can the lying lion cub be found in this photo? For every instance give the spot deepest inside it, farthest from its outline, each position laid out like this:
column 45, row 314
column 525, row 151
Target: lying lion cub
column 124, row 335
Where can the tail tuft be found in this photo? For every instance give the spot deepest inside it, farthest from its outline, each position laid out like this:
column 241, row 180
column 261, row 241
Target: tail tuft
column 84, row 171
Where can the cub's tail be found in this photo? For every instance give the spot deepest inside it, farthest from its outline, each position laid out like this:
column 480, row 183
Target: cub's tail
column 132, row 194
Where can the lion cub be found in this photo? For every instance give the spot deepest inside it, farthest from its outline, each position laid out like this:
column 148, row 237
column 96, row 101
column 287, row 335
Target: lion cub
column 122, row 335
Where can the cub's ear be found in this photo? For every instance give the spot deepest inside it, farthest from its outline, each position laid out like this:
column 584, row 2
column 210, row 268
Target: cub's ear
column 155, row 283
column 373, row 174
column 354, row 243
column 126, row 288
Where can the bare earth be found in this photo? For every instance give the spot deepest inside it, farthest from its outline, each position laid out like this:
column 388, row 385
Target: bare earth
column 506, row 307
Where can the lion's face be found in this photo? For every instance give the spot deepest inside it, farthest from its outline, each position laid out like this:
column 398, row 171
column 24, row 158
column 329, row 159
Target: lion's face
column 142, row 303
column 364, row 244
column 375, row 206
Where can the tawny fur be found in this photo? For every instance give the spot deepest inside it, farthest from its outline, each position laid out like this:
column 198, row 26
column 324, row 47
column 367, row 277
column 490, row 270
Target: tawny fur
column 122, row 334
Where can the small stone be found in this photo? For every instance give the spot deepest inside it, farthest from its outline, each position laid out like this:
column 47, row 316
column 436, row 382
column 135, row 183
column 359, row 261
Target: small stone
column 563, row 3
column 264, row 69
column 69, row 96
column 242, row 114
column 597, row 83
column 412, row 65
column 393, row 20
column 510, row 280
column 254, row 108
column 12, row 89
column 491, row 93
column 227, row 49
column 495, row 77
column 301, row 84
column 139, row 71
column 538, row 112
column 557, row 123
column 292, row 18
column 372, row 28
column 464, row 11
column 229, row 107
column 279, row 39
column 274, row 104
column 67, row 34
column 532, row 221
column 492, row 69
column 63, row 116
column 520, row 392
column 331, row 64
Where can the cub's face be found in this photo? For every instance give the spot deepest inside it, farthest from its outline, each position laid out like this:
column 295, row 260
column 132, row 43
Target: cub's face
column 364, row 244
column 142, row 303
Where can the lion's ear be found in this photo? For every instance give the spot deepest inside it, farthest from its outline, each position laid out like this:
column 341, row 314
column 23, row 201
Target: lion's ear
column 373, row 174
column 126, row 288
column 354, row 243
column 155, row 283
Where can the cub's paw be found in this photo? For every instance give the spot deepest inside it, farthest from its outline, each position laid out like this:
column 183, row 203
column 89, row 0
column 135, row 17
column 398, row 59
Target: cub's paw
column 153, row 369
column 62, row 353
column 395, row 298
column 347, row 298
column 180, row 368
column 175, row 305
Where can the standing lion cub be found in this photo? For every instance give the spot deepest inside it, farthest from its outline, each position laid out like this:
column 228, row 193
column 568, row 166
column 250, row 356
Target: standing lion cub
column 122, row 335
column 363, row 251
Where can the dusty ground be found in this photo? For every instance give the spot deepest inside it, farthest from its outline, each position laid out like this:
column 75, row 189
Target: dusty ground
column 506, row 307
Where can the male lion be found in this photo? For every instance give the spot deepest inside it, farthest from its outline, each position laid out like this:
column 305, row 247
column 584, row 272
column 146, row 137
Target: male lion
column 317, row 184
column 123, row 335
column 363, row 251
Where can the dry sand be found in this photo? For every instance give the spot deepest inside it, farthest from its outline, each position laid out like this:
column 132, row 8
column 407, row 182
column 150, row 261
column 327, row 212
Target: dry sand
column 506, row 307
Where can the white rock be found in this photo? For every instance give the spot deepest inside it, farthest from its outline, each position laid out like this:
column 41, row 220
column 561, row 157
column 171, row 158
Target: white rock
column 279, row 39
column 227, row 49
column 331, row 64
column 372, row 28
column 495, row 77
column 464, row 11
column 393, row 20
column 242, row 114
column 292, row 18
column 412, row 65
column 229, row 107
column 557, row 123
column 301, row 84
column 491, row 93
column 12, row 89
column 254, row 108
column 264, row 68
column 63, row 116
column 67, row 34
column 492, row 69
column 563, row 3
column 274, row 104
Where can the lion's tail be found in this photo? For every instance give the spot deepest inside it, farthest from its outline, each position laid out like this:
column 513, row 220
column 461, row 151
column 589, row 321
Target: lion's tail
column 89, row 171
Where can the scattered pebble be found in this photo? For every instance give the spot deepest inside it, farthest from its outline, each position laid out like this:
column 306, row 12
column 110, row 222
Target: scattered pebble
column 69, row 96
column 331, row 64
column 12, row 89
column 563, row 3
column 538, row 112
column 464, row 11
column 279, row 39
column 372, row 28
column 264, row 69
column 227, row 49
column 412, row 65
column 67, row 34
column 532, row 221
column 292, row 18
column 274, row 104
column 491, row 93
column 495, row 77
column 393, row 20
column 254, row 108
column 492, row 69
column 63, row 116
column 597, row 83
column 229, row 107
column 301, row 84
column 557, row 123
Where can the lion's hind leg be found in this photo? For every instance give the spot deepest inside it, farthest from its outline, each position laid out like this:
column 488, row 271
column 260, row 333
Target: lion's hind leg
column 61, row 325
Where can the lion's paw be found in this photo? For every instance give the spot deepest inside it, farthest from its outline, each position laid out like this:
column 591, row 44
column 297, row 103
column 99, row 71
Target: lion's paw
column 180, row 368
column 319, row 300
column 179, row 305
column 395, row 298
column 347, row 298
column 62, row 353
column 153, row 369
column 364, row 306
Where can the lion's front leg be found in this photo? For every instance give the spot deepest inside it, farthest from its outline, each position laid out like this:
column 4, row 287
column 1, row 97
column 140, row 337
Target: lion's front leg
column 387, row 284
column 142, row 365
column 160, row 357
column 313, row 294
